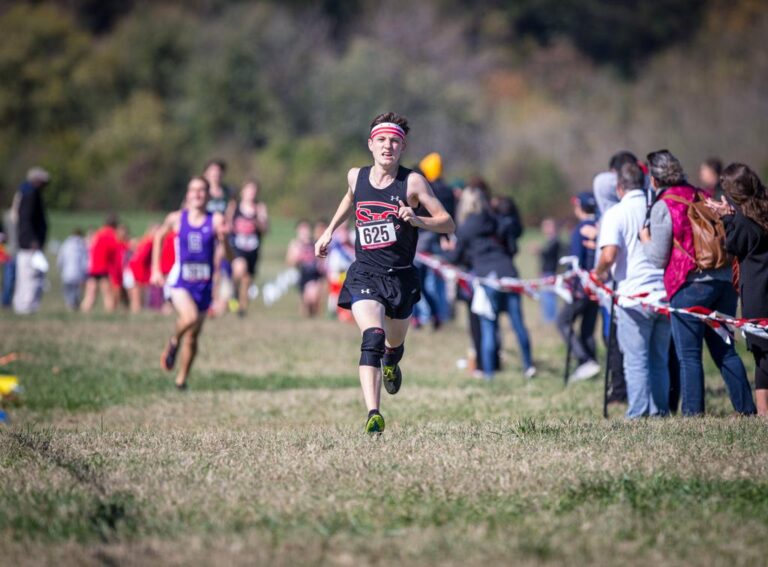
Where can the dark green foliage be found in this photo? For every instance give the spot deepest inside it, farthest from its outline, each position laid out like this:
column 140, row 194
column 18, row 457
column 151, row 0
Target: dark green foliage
column 619, row 33
column 122, row 101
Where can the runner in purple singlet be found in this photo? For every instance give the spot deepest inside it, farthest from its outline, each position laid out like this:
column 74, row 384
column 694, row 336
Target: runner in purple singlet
column 190, row 283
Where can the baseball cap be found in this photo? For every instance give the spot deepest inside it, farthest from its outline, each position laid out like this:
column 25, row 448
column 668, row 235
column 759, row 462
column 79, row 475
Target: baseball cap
column 586, row 201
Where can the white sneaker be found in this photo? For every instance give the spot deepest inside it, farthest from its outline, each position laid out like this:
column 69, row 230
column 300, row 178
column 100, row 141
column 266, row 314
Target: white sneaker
column 530, row 372
column 585, row 371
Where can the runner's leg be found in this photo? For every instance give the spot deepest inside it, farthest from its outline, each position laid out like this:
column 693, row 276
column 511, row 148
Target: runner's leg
column 242, row 281
column 188, row 325
column 395, row 331
column 189, row 350
column 369, row 314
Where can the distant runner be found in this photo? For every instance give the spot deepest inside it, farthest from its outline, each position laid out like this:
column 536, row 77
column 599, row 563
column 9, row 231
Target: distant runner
column 190, row 283
column 249, row 224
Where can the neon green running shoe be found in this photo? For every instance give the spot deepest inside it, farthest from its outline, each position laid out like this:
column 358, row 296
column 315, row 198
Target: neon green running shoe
column 375, row 423
column 392, row 377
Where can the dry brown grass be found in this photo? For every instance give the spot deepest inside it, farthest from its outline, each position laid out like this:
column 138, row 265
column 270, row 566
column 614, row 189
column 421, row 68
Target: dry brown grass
column 467, row 473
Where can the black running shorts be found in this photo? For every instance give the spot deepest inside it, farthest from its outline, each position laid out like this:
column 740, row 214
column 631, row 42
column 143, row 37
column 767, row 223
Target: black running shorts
column 398, row 291
column 251, row 258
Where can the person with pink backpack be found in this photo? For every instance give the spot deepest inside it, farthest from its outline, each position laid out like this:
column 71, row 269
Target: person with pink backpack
column 693, row 277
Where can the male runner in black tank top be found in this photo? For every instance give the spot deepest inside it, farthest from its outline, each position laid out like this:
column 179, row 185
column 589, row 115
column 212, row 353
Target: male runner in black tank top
column 382, row 285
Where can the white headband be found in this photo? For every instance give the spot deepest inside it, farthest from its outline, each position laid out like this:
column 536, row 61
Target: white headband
column 388, row 128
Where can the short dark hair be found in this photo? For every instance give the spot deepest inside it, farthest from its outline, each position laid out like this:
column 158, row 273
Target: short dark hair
column 111, row 220
column 630, row 176
column 620, row 158
column 715, row 164
column 216, row 161
column 392, row 117
column 202, row 179
column 665, row 168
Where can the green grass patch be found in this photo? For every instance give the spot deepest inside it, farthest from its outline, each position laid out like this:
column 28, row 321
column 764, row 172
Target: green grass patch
column 90, row 387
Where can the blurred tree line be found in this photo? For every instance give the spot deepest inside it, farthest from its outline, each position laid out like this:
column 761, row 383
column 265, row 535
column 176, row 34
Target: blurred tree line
column 123, row 99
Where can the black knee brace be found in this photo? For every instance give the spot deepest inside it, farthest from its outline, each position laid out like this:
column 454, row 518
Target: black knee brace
column 393, row 355
column 372, row 347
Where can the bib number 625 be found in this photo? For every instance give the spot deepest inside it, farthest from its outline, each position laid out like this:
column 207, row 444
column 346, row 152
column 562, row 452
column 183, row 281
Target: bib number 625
column 376, row 235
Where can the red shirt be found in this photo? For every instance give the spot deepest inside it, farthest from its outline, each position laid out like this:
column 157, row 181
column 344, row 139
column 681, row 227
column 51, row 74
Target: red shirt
column 103, row 252
column 141, row 261
column 116, row 270
column 168, row 253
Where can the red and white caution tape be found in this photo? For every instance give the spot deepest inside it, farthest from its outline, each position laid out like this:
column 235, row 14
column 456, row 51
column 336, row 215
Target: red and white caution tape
column 724, row 325
column 531, row 288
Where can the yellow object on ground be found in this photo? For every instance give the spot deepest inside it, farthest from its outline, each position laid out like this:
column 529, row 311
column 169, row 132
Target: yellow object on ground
column 8, row 385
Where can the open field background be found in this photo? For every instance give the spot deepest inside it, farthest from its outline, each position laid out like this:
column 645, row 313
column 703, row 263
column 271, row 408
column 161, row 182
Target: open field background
column 264, row 461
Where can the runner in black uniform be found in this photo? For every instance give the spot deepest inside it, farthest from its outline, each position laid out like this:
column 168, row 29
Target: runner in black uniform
column 249, row 223
column 382, row 284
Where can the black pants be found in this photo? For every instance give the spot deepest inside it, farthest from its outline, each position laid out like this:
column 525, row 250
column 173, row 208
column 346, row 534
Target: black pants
column 583, row 344
column 759, row 348
column 674, row 378
column 618, row 387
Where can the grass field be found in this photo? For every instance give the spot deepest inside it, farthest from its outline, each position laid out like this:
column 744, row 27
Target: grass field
column 264, row 461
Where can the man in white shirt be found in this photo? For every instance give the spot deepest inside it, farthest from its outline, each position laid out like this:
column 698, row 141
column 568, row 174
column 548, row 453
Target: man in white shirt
column 643, row 335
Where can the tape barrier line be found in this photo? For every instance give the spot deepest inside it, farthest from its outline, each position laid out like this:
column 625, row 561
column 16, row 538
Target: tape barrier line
column 724, row 325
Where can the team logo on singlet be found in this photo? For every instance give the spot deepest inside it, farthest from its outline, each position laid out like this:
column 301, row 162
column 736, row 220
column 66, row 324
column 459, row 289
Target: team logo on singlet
column 372, row 211
column 376, row 226
column 195, row 242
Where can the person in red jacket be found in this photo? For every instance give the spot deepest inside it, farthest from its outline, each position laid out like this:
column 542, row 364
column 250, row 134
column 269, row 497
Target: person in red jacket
column 103, row 255
column 122, row 255
column 139, row 270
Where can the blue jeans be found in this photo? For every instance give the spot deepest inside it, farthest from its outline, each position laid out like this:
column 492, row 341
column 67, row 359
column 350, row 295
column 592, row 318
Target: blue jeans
column 9, row 281
column 644, row 340
column 502, row 301
column 548, row 301
column 689, row 333
column 434, row 300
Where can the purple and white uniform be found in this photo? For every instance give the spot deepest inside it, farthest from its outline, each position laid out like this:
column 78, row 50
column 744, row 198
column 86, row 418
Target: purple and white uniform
column 193, row 269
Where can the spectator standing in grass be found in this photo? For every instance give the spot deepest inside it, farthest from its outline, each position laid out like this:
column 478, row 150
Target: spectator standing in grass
column 744, row 212
column 32, row 231
column 583, row 244
column 72, row 261
column 668, row 244
column 549, row 255
column 103, row 254
column 643, row 335
column 488, row 244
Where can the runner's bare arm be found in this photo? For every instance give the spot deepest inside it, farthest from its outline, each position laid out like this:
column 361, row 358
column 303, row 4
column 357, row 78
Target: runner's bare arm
column 222, row 233
column 262, row 216
column 341, row 216
column 170, row 223
column 229, row 213
column 420, row 193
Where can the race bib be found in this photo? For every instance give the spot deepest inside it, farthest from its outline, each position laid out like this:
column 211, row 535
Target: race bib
column 195, row 272
column 374, row 235
column 247, row 242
